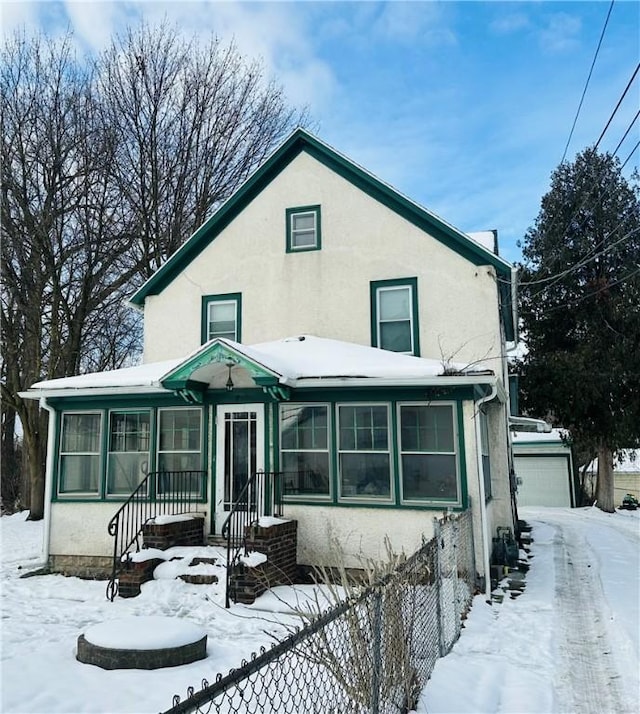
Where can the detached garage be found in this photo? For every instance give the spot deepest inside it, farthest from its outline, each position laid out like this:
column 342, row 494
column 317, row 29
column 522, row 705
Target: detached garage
column 544, row 469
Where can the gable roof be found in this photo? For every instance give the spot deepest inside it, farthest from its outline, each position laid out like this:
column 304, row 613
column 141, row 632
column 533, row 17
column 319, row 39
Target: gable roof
column 301, row 140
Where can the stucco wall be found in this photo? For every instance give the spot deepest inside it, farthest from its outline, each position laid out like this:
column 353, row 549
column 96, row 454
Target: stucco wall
column 81, row 529
column 326, row 292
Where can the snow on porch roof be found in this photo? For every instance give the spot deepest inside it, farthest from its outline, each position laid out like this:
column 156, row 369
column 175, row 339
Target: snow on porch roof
column 299, row 361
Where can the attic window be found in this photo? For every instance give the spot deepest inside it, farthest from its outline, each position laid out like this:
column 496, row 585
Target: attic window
column 221, row 317
column 303, row 229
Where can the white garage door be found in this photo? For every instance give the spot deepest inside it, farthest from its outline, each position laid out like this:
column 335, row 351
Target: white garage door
column 542, row 481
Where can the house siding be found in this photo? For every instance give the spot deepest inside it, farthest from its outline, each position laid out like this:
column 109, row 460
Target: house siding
column 293, row 293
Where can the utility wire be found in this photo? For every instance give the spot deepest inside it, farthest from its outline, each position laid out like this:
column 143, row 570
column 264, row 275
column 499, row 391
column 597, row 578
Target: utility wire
column 584, row 91
column 633, row 151
column 633, row 121
column 624, row 94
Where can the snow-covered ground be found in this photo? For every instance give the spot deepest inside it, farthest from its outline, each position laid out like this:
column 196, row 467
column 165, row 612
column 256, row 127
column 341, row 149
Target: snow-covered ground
column 569, row 643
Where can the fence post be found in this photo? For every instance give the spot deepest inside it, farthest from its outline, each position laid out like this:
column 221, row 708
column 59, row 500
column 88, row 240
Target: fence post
column 438, row 577
column 377, row 651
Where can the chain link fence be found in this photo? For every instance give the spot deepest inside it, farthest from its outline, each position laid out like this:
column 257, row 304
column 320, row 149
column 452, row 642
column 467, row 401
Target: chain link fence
column 372, row 653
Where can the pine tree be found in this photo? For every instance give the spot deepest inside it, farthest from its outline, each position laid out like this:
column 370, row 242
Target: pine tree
column 580, row 310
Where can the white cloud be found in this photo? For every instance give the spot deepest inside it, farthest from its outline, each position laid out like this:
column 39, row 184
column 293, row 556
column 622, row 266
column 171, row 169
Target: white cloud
column 510, row 23
column 560, row 33
column 15, row 15
column 409, row 21
column 93, row 22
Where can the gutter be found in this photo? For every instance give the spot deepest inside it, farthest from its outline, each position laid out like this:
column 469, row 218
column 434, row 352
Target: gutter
column 48, row 478
column 483, row 502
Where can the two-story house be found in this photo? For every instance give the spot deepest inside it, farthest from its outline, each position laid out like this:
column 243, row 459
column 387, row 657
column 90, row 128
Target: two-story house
column 320, row 325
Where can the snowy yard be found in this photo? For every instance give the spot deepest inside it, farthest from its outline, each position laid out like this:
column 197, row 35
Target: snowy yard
column 569, row 643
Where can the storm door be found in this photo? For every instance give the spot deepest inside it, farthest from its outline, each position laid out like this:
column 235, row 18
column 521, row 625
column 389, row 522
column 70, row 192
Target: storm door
column 239, row 453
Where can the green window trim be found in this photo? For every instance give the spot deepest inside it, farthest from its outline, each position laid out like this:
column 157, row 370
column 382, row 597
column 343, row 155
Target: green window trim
column 308, row 441
column 209, row 302
column 105, row 414
column 380, row 288
column 74, row 449
column 298, row 229
column 129, row 450
column 443, row 446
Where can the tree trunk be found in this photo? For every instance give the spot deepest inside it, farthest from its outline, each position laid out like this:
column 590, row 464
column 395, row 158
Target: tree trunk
column 604, row 488
column 35, row 445
column 9, row 456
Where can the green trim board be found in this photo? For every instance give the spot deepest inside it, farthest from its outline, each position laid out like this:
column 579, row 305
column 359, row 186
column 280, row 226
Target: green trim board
column 208, row 300
column 290, row 214
column 219, row 352
column 301, row 140
column 101, row 494
column 375, row 286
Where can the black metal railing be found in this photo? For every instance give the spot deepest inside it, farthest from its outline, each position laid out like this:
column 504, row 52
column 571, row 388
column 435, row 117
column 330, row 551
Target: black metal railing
column 261, row 496
column 160, row 493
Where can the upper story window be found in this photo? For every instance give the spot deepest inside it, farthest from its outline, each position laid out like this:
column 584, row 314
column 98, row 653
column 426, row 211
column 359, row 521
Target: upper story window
column 222, row 317
column 394, row 315
column 303, row 228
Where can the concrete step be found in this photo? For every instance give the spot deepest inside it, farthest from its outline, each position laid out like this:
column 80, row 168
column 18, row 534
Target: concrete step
column 217, row 540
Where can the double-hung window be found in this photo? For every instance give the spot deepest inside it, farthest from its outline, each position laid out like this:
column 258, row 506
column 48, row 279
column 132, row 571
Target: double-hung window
column 394, row 315
column 428, row 458
column 304, row 449
column 80, row 453
column 303, row 228
column 128, row 457
column 221, row 317
column 180, row 449
column 364, row 458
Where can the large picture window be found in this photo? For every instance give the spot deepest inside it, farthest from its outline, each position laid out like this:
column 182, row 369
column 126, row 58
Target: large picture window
column 394, row 315
column 80, row 453
column 128, row 458
column 363, row 451
column 428, row 460
column 222, row 317
column 304, row 449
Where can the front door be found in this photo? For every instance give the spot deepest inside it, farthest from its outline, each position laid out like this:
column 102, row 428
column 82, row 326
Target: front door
column 239, row 453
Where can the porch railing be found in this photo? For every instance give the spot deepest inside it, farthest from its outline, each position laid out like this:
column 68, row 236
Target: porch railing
column 160, row 493
column 261, row 496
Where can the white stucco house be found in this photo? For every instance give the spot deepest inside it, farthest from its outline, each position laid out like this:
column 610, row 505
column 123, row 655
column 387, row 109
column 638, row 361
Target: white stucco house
column 320, row 325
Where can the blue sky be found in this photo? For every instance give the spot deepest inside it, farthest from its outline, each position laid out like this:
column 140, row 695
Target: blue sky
column 466, row 107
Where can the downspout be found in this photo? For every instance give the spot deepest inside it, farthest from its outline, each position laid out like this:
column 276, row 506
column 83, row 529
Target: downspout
column 483, row 503
column 48, row 477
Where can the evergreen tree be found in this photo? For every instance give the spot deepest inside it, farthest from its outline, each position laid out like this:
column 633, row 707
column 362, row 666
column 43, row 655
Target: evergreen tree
column 580, row 310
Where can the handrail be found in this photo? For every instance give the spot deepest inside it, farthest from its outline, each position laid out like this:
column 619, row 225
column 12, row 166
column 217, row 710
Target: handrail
column 260, row 496
column 159, row 493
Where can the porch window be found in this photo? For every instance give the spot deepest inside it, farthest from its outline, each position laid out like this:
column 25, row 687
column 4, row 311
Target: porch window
column 80, row 453
column 303, row 228
column 304, row 449
column 394, row 315
column 363, row 451
column 128, row 457
column 428, row 459
column 180, row 442
column 221, row 317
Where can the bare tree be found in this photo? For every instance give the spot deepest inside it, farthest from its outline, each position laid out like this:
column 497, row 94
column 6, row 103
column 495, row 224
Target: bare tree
column 107, row 167
column 192, row 122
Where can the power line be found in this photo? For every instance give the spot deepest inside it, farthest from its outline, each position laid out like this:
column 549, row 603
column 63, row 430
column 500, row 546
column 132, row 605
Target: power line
column 584, row 91
column 624, row 94
column 633, row 151
column 633, row 121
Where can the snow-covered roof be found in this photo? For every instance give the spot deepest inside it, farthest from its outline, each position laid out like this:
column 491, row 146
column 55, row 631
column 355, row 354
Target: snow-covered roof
column 630, row 463
column 299, row 361
column 555, row 435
